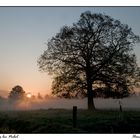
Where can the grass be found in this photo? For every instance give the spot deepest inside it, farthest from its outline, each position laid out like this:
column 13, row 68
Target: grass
column 60, row 121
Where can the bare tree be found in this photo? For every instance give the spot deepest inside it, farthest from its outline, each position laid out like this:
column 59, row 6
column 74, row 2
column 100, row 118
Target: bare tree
column 95, row 52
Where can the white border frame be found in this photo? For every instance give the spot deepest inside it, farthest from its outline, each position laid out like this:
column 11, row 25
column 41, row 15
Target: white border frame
column 69, row 2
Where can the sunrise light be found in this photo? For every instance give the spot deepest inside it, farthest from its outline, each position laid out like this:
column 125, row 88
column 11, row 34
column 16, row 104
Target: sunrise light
column 29, row 95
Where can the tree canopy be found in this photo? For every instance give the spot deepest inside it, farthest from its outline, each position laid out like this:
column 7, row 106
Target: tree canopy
column 17, row 93
column 92, row 56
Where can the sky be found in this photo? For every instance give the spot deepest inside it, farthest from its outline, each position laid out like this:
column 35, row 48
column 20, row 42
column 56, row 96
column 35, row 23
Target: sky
column 24, row 32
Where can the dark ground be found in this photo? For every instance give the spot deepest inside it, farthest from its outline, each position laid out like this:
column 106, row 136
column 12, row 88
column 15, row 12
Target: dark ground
column 60, row 121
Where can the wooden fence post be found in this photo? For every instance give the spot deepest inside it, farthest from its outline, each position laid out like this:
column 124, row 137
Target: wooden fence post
column 74, row 116
column 120, row 108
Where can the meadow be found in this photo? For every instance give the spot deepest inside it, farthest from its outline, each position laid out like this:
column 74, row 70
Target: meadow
column 54, row 121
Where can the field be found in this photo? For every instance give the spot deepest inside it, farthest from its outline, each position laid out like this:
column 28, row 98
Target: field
column 54, row 121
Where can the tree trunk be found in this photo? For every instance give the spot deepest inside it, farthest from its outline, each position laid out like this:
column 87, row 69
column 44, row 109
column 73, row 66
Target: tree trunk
column 91, row 105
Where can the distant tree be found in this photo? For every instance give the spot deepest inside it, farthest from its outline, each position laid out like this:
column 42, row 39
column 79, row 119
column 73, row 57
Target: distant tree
column 17, row 93
column 39, row 96
column 95, row 52
column 46, row 96
column 2, row 99
column 33, row 97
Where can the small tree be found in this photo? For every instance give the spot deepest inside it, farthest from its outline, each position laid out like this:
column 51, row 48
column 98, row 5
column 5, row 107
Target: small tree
column 17, row 93
column 39, row 96
column 95, row 52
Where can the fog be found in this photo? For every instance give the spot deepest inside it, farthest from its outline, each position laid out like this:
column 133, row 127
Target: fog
column 132, row 103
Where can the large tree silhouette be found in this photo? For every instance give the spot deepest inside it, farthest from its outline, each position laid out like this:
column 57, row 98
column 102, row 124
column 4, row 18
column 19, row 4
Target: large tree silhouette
column 17, row 93
column 94, row 53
